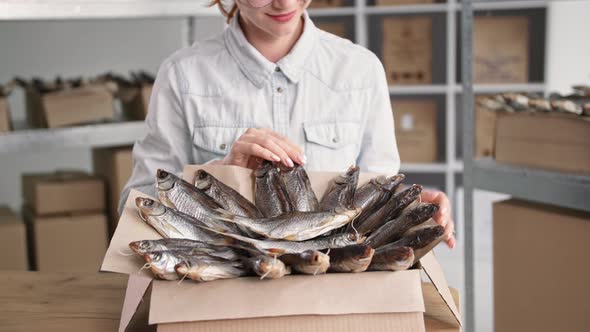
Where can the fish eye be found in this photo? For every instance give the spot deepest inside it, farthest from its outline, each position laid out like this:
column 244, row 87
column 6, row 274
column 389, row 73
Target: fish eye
column 352, row 237
column 157, row 256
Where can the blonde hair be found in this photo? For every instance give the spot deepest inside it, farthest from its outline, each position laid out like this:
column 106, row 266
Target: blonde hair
column 228, row 14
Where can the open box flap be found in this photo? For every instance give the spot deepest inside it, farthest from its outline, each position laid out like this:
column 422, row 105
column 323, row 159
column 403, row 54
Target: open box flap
column 137, row 286
column 434, row 271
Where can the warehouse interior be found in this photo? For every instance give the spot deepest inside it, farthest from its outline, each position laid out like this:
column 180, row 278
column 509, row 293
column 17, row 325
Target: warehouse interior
column 517, row 173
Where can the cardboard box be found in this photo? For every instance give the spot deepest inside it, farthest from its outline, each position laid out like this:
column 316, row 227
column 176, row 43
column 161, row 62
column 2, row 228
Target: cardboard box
column 136, row 101
column 552, row 141
column 416, row 130
column 74, row 243
column 326, row 3
column 485, row 131
column 5, row 124
column 294, row 303
column 407, row 50
column 83, row 105
column 401, row 2
column 63, row 192
column 115, row 166
column 13, row 241
column 501, row 49
column 336, row 28
column 540, row 278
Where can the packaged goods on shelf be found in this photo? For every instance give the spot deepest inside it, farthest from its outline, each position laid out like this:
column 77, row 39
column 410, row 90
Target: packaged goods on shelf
column 5, row 119
column 13, row 241
column 407, row 50
column 501, row 49
column 63, row 192
column 537, row 253
column 416, row 130
column 134, row 93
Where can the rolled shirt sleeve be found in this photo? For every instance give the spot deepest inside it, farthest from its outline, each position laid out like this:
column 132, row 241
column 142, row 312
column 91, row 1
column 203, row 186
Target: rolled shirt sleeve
column 379, row 151
column 167, row 144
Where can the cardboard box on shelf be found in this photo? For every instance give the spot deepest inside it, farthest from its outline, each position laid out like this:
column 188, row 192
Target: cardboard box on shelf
column 67, row 243
column 326, row 3
column 114, row 165
column 13, row 241
column 336, row 28
column 485, row 131
column 386, row 299
column 407, row 50
column 76, row 106
column 401, row 2
column 5, row 124
column 540, row 278
column 416, row 130
column 136, row 101
column 63, row 192
column 552, row 141
column 501, row 49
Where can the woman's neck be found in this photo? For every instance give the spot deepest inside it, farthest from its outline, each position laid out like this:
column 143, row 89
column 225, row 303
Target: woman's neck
column 271, row 47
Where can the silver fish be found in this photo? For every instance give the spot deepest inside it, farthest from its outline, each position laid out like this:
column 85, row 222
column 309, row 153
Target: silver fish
column 298, row 188
column 202, row 269
column 225, row 196
column 180, row 195
column 392, row 258
column 271, row 197
column 173, row 224
column 185, row 245
column 340, row 192
column 354, row 258
column 297, row 226
column 268, row 267
column 162, row 263
column 308, row 262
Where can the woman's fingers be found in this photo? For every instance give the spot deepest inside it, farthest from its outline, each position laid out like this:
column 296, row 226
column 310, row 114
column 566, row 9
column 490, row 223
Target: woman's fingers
column 253, row 150
column 270, row 143
column 293, row 150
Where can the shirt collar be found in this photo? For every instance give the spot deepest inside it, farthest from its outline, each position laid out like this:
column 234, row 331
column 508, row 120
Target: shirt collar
column 256, row 67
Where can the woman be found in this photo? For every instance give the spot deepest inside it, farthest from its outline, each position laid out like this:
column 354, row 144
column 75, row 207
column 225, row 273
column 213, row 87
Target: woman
column 271, row 86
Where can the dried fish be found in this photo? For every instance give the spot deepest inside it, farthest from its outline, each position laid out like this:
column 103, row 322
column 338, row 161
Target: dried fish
column 162, row 263
column 355, row 258
column 422, row 240
column 185, row 245
column 298, row 188
column 340, row 192
column 308, row 262
column 395, row 228
column 271, row 197
column 372, row 195
column 203, row 268
column 392, row 258
column 268, row 267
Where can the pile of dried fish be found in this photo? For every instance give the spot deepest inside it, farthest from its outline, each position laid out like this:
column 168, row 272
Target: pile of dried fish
column 212, row 232
column 577, row 103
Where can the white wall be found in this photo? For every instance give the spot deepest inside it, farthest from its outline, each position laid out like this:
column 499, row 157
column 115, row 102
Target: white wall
column 568, row 49
column 73, row 48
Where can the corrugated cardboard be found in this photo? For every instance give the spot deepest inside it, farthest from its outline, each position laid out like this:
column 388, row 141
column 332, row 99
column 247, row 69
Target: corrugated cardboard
column 5, row 124
column 407, row 50
column 295, row 303
column 553, row 141
column 83, row 105
column 114, row 165
column 326, row 3
column 540, row 267
column 336, row 28
column 416, row 130
column 501, row 49
column 136, row 101
column 485, row 131
column 73, row 243
column 13, row 241
column 63, row 192
column 401, row 2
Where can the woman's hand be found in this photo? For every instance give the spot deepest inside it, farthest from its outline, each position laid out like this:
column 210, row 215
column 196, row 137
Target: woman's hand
column 258, row 144
column 443, row 216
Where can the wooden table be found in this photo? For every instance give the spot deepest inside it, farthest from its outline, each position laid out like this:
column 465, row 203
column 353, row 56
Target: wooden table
column 35, row 301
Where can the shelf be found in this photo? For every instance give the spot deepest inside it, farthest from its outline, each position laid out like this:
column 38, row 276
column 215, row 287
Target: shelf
column 417, row 89
column 506, row 5
column 336, row 11
column 407, row 9
column 498, row 88
column 542, row 186
column 423, row 167
column 95, row 9
column 97, row 135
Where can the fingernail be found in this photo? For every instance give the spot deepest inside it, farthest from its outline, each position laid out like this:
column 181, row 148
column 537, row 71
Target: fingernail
column 290, row 162
column 303, row 158
column 276, row 158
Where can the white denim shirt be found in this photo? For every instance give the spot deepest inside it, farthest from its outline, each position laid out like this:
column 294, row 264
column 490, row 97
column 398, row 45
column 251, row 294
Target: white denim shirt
column 327, row 95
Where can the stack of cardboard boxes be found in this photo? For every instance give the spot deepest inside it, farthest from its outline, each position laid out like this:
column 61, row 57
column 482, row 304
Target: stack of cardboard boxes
column 66, row 224
column 5, row 124
column 416, row 130
column 13, row 244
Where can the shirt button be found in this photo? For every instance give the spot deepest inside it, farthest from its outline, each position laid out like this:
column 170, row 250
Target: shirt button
column 335, row 140
column 222, row 146
column 280, row 90
column 277, row 69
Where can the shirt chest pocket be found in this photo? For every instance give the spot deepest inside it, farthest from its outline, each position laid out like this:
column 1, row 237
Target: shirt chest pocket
column 211, row 142
column 331, row 146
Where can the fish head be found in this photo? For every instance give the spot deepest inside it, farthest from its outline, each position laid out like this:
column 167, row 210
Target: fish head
column 264, row 168
column 203, row 180
column 161, row 263
column 425, row 210
column 148, row 207
column 165, row 180
column 351, row 211
column 392, row 182
column 140, row 247
column 315, row 257
column 350, row 176
column 269, row 266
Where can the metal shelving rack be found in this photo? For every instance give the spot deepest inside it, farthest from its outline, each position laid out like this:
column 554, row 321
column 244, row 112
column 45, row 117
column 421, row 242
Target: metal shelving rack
column 555, row 188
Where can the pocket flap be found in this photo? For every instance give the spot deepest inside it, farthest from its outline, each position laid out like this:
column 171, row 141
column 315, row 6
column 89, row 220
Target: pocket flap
column 332, row 134
column 217, row 139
